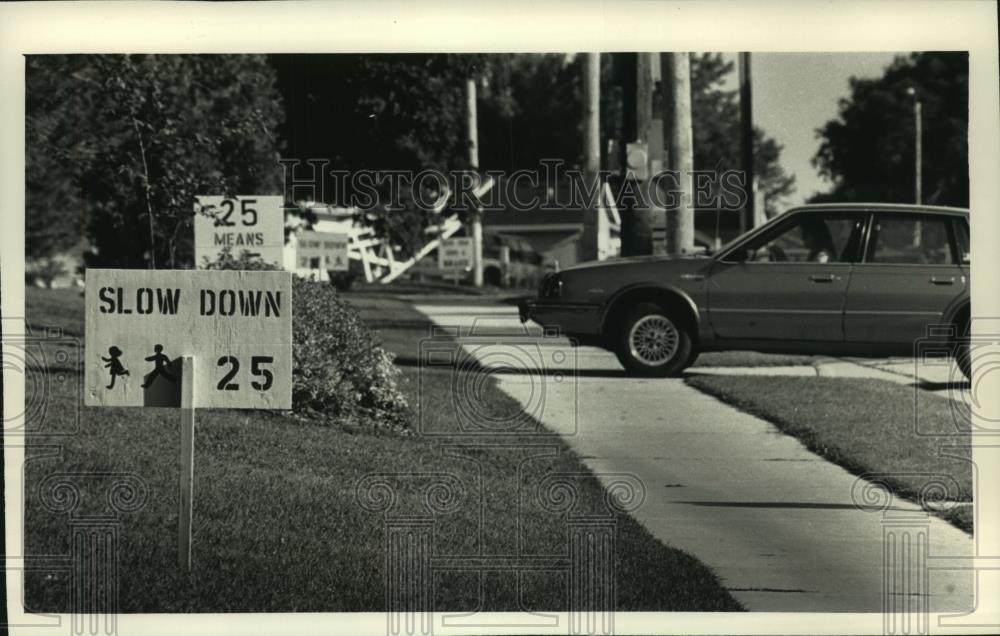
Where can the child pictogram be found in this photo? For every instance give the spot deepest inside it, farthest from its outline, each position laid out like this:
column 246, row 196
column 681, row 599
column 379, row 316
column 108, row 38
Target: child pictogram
column 160, row 360
column 114, row 364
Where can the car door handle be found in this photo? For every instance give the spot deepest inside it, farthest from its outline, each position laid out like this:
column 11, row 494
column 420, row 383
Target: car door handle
column 826, row 278
column 943, row 280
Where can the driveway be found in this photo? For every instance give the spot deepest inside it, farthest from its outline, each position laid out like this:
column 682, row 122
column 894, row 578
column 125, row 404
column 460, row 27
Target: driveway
column 777, row 523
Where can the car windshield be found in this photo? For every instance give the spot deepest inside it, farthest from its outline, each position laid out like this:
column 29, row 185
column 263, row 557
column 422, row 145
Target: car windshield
column 731, row 242
column 801, row 237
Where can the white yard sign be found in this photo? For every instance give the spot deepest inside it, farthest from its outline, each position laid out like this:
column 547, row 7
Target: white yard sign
column 321, row 251
column 250, row 223
column 455, row 254
column 237, row 325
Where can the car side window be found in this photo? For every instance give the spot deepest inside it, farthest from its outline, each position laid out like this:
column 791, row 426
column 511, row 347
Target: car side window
column 811, row 238
column 910, row 240
column 962, row 234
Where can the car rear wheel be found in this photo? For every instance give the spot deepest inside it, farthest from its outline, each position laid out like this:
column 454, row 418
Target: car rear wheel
column 963, row 355
column 652, row 343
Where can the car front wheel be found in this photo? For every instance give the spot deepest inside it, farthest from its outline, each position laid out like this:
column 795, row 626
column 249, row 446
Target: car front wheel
column 652, row 343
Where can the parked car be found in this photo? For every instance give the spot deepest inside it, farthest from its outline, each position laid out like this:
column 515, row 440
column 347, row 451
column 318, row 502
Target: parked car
column 522, row 268
column 838, row 279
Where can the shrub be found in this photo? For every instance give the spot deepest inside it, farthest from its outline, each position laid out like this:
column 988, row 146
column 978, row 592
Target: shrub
column 339, row 370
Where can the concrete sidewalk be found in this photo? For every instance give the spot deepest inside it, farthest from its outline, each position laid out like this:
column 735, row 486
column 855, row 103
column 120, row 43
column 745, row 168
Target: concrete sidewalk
column 777, row 523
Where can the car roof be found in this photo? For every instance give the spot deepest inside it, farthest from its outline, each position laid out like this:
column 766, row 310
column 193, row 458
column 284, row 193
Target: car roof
column 882, row 207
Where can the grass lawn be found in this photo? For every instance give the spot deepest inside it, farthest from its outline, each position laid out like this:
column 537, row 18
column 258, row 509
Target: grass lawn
column 866, row 426
column 277, row 522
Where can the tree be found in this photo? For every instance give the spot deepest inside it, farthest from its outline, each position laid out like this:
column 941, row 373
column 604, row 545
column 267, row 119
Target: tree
column 53, row 220
column 716, row 123
column 531, row 110
column 377, row 112
column 147, row 134
column 869, row 150
column 406, row 112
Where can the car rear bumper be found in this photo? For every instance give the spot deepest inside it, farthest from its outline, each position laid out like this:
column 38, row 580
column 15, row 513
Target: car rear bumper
column 570, row 319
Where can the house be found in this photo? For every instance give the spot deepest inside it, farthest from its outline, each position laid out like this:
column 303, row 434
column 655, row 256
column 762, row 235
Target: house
column 552, row 220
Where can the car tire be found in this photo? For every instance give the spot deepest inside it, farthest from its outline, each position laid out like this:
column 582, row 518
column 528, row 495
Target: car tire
column 653, row 344
column 963, row 355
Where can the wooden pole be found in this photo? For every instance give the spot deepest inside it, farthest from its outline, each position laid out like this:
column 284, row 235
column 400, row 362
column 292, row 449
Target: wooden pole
column 634, row 238
column 746, row 146
column 637, row 115
column 186, row 463
column 591, row 248
column 918, row 168
column 475, row 216
column 680, row 158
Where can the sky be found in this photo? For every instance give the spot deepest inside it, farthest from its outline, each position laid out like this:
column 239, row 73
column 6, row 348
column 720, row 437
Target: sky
column 796, row 93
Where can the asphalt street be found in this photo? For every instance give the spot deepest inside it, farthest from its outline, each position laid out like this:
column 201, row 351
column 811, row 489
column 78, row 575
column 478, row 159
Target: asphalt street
column 781, row 526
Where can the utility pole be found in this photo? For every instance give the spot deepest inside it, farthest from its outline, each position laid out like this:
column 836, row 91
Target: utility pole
column 918, row 145
column 637, row 121
column 649, row 135
column 680, row 154
column 746, row 136
column 918, row 167
column 592, row 224
column 475, row 216
column 624, row 65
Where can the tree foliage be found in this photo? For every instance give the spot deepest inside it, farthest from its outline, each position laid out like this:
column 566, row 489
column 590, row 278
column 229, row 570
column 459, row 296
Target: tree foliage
column 715, row 114
column 53, row 138
column 377, row 112
column 532, row 110
column 146, row 134
column 869, row 151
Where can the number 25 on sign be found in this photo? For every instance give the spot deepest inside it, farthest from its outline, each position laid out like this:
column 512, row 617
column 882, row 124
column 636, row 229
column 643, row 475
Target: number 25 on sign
column 254, row 224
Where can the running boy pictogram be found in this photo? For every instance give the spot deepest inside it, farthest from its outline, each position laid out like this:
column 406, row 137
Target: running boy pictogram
column 160, row 360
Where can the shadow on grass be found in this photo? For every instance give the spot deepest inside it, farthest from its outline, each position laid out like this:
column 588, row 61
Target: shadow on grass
column 928, row 385
column 277, row 522
column 470, row 365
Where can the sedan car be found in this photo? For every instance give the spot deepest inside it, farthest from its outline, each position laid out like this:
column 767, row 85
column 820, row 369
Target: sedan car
column 866, row 280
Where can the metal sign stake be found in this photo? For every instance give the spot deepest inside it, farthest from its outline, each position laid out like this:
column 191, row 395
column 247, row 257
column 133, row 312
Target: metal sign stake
column 186, row 498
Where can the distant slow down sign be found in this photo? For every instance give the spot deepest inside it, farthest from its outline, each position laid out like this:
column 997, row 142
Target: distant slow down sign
column 237, row 325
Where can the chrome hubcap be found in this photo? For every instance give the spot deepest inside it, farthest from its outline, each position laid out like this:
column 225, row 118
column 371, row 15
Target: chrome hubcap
column 653, row 340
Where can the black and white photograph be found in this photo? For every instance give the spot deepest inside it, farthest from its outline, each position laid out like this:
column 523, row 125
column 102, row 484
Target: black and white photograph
column 366, row 323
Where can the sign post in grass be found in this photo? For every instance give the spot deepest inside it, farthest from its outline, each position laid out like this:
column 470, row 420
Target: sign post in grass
column 186, row 498
column 188, row 339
